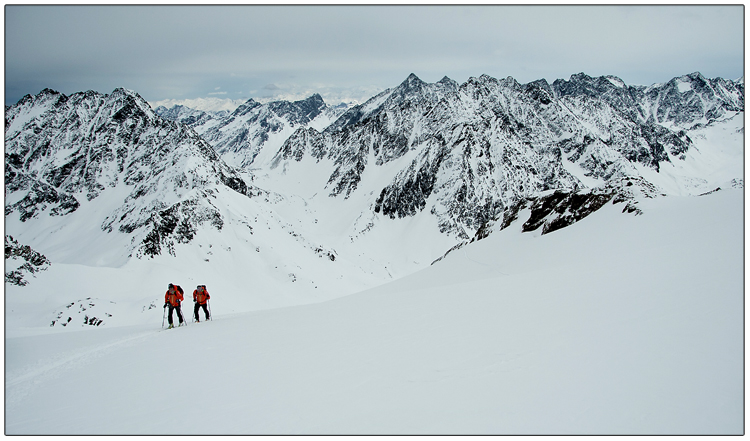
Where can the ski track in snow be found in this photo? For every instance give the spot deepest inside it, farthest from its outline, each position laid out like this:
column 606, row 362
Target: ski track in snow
column 48, row 368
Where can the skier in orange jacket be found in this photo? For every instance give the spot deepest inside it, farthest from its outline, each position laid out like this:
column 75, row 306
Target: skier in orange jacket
column 200, row 297
column 173, row 298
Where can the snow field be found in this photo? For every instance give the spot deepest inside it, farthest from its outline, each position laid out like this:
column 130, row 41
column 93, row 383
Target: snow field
column 618, row 324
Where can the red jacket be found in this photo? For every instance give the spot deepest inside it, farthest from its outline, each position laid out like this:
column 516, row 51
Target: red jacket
column 201, row 297
column 173, row 299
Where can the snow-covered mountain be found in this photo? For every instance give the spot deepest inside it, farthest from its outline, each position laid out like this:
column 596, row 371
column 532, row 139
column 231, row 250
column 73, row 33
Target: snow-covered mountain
column 693, row 101
column 305, row 202
column 111, row 162
column 238, row 137
column 465, row 153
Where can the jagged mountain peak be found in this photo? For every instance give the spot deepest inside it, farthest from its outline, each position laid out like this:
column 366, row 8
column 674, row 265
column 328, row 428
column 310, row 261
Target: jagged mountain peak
column 315, row 98
column 45, row 95
column 582, row 83
column 479, row 88
column 580, row 76
column 412, row 91
column 300, row 111
column 131, row 103
column 246, row 107
column 480, row 79
column 541, row 83
column 413, row 78
column 121, row 91
column 695, row 76
column 510, row 82
column 48, row 91
column 411, row 85
column 446, row 80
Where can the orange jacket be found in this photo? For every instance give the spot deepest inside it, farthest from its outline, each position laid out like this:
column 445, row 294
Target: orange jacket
column 201, row 297
column 173, row 299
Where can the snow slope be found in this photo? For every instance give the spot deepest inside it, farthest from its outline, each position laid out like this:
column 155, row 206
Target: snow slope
column 617, row 324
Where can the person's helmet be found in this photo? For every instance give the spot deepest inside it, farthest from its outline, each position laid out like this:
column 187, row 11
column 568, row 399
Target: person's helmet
column 170, row 286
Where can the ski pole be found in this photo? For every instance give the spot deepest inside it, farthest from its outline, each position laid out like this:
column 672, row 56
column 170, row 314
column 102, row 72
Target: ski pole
column 164, row 316
column 183, row 315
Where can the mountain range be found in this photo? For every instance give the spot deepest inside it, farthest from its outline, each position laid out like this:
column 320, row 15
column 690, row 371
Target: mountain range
column 334, row 199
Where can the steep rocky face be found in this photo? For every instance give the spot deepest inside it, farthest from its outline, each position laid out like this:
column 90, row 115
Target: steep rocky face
column 557, row 209
column 561, row 208
column 65, row 151
column 385, row 128
column 299, row 112
column 476, row 148
column 379, row 130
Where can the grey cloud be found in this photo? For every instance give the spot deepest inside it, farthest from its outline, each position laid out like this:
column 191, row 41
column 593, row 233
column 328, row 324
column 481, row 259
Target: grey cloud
column 167, row 52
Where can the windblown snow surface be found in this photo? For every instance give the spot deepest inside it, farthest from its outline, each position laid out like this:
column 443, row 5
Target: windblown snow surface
column 618, row 324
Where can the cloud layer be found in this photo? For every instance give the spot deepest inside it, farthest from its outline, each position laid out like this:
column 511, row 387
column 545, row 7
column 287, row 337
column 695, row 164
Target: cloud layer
column 352, row 52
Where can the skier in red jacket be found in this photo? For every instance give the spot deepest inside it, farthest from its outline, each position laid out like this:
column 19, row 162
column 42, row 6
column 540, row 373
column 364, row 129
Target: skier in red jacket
column 200, row 297
column 173, row 299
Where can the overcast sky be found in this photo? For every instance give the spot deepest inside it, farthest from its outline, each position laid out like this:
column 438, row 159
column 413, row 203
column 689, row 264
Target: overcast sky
column 353, row 52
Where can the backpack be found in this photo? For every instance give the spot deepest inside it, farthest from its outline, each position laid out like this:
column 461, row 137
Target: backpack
column 201, row 297
column 178, row 288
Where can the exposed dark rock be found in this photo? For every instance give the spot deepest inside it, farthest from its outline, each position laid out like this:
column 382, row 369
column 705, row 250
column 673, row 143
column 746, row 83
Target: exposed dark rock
column 33, row 261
